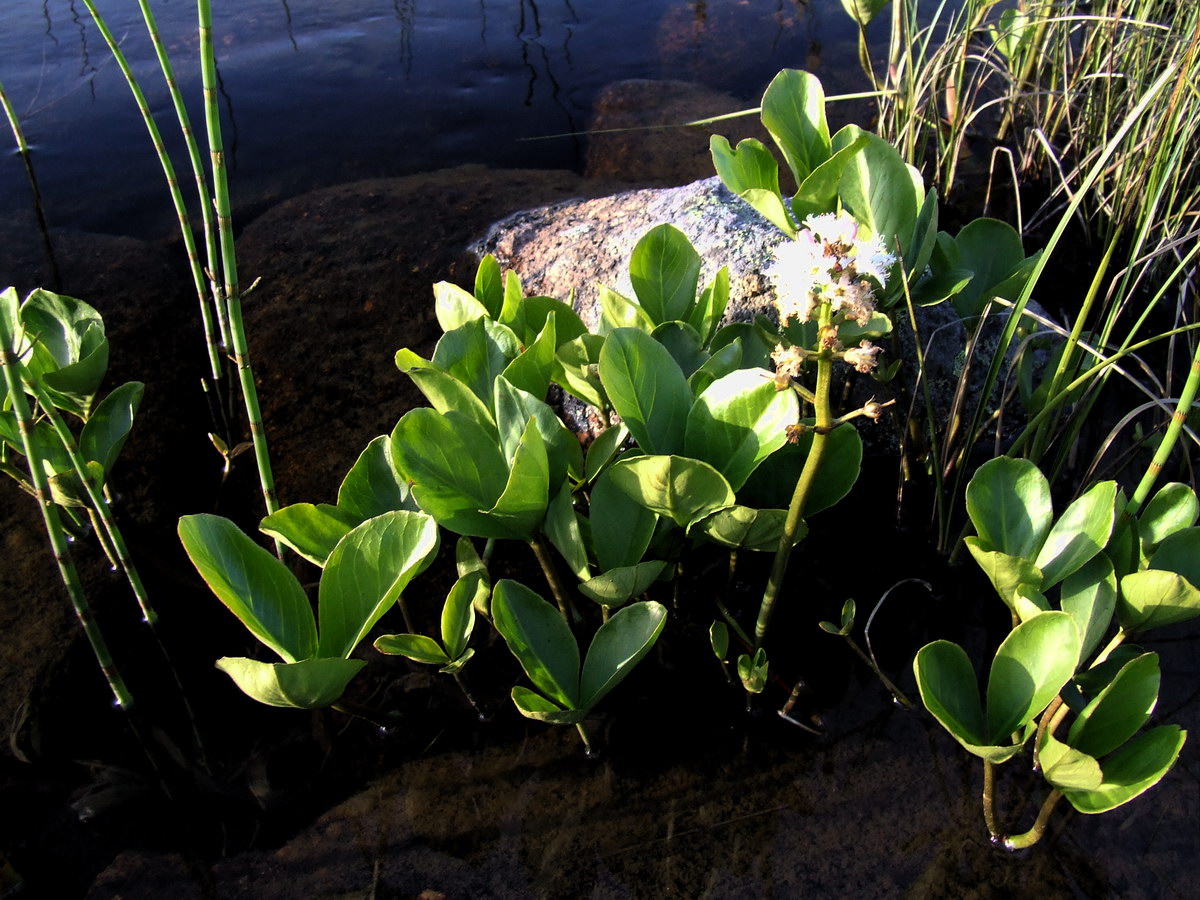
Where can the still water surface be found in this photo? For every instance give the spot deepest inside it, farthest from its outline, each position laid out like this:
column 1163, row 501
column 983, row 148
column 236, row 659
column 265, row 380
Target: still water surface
column 316, row 93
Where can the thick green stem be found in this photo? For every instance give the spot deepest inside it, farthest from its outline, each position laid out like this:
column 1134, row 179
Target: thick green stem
column 989, row 798
column 587, row 741
column 1034, row 834
column 552, row 578
column 230, row 290
column 49, row 510
column 804, row 483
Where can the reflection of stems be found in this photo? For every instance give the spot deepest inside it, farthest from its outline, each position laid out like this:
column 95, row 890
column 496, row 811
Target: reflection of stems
column 551, row 572
column 803, row 484
column 50, row 517
column 366, row 713
column 23, row 150
column 1034, row 834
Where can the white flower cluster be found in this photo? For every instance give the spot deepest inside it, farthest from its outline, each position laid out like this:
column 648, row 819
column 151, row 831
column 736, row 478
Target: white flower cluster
column 829, row 262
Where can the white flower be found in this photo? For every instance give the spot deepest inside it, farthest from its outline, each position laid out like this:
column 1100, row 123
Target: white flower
column 870, row 257
column 833, row 228
column 862, row 357
column 800, row 274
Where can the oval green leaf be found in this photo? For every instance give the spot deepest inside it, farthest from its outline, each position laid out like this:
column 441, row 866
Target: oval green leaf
column 1079, row 534
column 416, row 647
column 682, row 489
column 647, row 389
column 540, row 640
column 1033, row 663
column 307, row 684
column 1008, row 501
column 312, row 530
column 618, row 646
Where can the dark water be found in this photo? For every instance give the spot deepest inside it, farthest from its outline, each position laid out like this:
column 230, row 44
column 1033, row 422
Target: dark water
column 317, row 93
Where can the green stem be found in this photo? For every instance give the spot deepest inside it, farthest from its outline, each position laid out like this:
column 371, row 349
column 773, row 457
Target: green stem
column 897, row 694
column 1034, row 834
column 49, row 510
column 230, row 290
column 804, row 485
column 164, row 159
column 552, row 578
column 587, row 742
column 989, row 799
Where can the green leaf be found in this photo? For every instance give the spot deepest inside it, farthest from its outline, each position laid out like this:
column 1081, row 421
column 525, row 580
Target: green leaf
column 532, row 369
column 618, row 311
column 1008, row 501
column 1120, row 710
column 935, row 287
column 1172, row 509
column 752, row 670
column 1067, row 768
column 718, row 636
column 725, row 360
column 618, row 586
column 562, row 528
column 367, row 571
column 522, row 507
column 108, row 426
column 311, row 530
column 365, row 574
column 374, row 485
column 772, row 483
column 514, row 409
column 577, row 370
column 647, row 389
column 620, row 644
column 863, row 11
column 665, row 271
column 533, row 705
column 416, row 647
column 1089, row 596
column 1079, row 534
column 70, row 352
column 757, row 342
column 739, row 421
column 455, row 468
column 1006, row 573
column 454, row 307
column 683, row 343
column 476, row 353
column 536, row 310
column 621, row 527
column 1033, row 663
column 307, row 684
column 1154, row 598
column 489, row 286
column 818, row 192
column 877, row 188
column 1133, row 769
column 747, row 528
column 682, row 489
column 443, row 391
column 540, row 640
column 992, row 251
column 512, row 310
column 793, row 111
column 603, row 449
column 752, row 173
column 1180, row 553
column 950, row 690
column 253, row 584
column 706, row 314
column 458, row 614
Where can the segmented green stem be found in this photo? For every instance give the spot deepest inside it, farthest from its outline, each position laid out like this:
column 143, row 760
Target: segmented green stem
column 99, row 503
column 230, row 290
column 13, row 122
column 197, row 163
column 808, row 476
column 168, row 168
column 54, row 530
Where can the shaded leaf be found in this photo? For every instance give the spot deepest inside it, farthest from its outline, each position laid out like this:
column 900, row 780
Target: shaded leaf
column 312, row 530
column 307, row 684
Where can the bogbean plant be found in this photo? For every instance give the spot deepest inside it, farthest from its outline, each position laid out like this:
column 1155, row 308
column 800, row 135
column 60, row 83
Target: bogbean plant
column 700, row 426
column 1066, row 582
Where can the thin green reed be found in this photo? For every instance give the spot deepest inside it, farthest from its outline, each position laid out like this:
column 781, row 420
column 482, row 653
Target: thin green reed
column 50, row 516
column 168, row 168
column 230, row 291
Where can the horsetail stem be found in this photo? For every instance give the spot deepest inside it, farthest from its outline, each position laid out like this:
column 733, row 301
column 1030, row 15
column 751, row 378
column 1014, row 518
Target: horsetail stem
column 54, row 530
column 164, row 159
column 230, row 289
